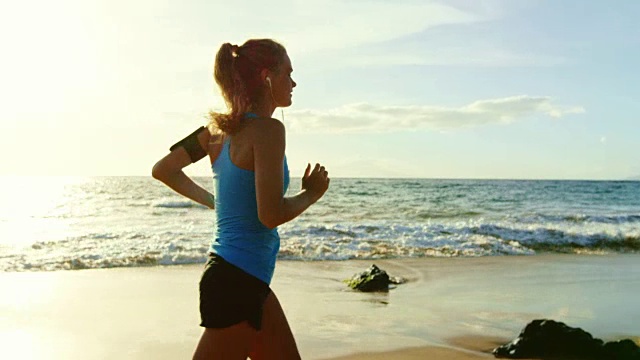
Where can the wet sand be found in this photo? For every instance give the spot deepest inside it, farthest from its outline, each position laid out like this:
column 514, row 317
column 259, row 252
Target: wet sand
column 457, row 308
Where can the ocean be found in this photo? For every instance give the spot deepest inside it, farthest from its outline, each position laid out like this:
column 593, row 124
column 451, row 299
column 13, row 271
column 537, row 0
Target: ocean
column 67, row 223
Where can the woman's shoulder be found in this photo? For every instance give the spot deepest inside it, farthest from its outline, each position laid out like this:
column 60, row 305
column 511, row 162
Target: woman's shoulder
column 266, row 127
column 269, row 123
column 266, row 133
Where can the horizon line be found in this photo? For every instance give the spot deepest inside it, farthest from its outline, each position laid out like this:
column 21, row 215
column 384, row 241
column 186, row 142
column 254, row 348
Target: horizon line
column 632, row 178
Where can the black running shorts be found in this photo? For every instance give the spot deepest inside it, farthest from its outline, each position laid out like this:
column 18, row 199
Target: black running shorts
column 229, row 295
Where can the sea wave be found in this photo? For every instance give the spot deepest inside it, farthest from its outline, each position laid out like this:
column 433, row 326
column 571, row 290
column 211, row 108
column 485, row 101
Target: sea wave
column 560, row 240
column 448, row 214
column 579, row 218
column 336, row 244
column 126, row 221
column 329, row 241
column 178, row 205
column 466, row 242
column 98, row 262
column 49, row 257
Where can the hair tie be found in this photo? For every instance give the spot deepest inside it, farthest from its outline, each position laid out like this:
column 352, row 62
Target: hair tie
column 234, row 51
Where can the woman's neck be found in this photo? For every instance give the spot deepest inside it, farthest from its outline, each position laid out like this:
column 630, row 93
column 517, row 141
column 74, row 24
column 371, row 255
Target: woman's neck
column 263, row 109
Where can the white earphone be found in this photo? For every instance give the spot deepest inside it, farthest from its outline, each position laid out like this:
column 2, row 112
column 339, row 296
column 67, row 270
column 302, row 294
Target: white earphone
column 274, row 100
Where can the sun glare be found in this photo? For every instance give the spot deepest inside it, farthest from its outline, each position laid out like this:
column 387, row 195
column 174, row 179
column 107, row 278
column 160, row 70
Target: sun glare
column 34, row 207
column 51, row 55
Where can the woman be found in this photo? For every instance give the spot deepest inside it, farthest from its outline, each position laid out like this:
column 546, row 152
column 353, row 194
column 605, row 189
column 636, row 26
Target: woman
column 240, row 313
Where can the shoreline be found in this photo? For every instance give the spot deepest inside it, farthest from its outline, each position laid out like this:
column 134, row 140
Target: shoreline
column 460, row 348
column 450, row 307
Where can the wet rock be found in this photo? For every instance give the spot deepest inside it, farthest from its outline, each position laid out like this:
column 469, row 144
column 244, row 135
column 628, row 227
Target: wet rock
column 548, row 339
column 373, row 279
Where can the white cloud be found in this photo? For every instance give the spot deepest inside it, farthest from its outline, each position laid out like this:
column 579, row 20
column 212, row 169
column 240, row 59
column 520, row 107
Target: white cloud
column 603, row 139
column 364, row 117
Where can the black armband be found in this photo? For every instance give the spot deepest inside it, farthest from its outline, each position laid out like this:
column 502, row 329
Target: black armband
column 192, row 145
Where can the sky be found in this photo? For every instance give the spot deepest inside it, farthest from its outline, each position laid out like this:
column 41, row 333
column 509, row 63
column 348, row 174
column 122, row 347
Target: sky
column 515, row 89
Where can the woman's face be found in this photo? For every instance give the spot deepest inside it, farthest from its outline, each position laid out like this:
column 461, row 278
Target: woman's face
column 282, row 84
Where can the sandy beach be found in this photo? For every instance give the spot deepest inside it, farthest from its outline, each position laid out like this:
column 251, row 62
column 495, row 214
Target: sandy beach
column 458, row 308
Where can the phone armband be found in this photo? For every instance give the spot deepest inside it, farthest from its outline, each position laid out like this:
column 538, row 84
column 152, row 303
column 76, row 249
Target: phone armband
column 191, row 145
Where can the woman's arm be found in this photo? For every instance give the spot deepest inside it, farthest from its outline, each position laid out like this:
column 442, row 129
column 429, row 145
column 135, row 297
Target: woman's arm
column 169, row 170
column 268, row 152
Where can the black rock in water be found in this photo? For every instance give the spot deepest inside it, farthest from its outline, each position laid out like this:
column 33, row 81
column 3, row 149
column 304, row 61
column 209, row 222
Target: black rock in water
column 548, row 339
column 373, row 279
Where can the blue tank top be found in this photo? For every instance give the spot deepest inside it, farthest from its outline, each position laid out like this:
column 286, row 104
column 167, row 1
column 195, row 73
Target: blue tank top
column 240, row 237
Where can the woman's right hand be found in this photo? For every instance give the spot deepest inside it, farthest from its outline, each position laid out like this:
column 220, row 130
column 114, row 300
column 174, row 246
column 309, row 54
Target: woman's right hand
column 315, row 181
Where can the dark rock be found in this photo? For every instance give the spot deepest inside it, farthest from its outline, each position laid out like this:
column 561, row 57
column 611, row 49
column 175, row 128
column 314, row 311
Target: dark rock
column 548, row 339
column 622, row 350
column 372, row 279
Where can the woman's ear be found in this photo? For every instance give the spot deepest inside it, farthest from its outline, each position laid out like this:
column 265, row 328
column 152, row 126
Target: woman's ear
column 264, row 75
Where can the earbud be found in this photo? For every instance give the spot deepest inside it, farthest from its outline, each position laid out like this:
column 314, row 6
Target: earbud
column 271, row 90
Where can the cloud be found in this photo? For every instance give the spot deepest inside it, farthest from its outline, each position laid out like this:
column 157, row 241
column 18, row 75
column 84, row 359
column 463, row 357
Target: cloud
column 364, row 117
column 405, row 34
column 340, row 24
column 303, row 26
column 336, row 34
